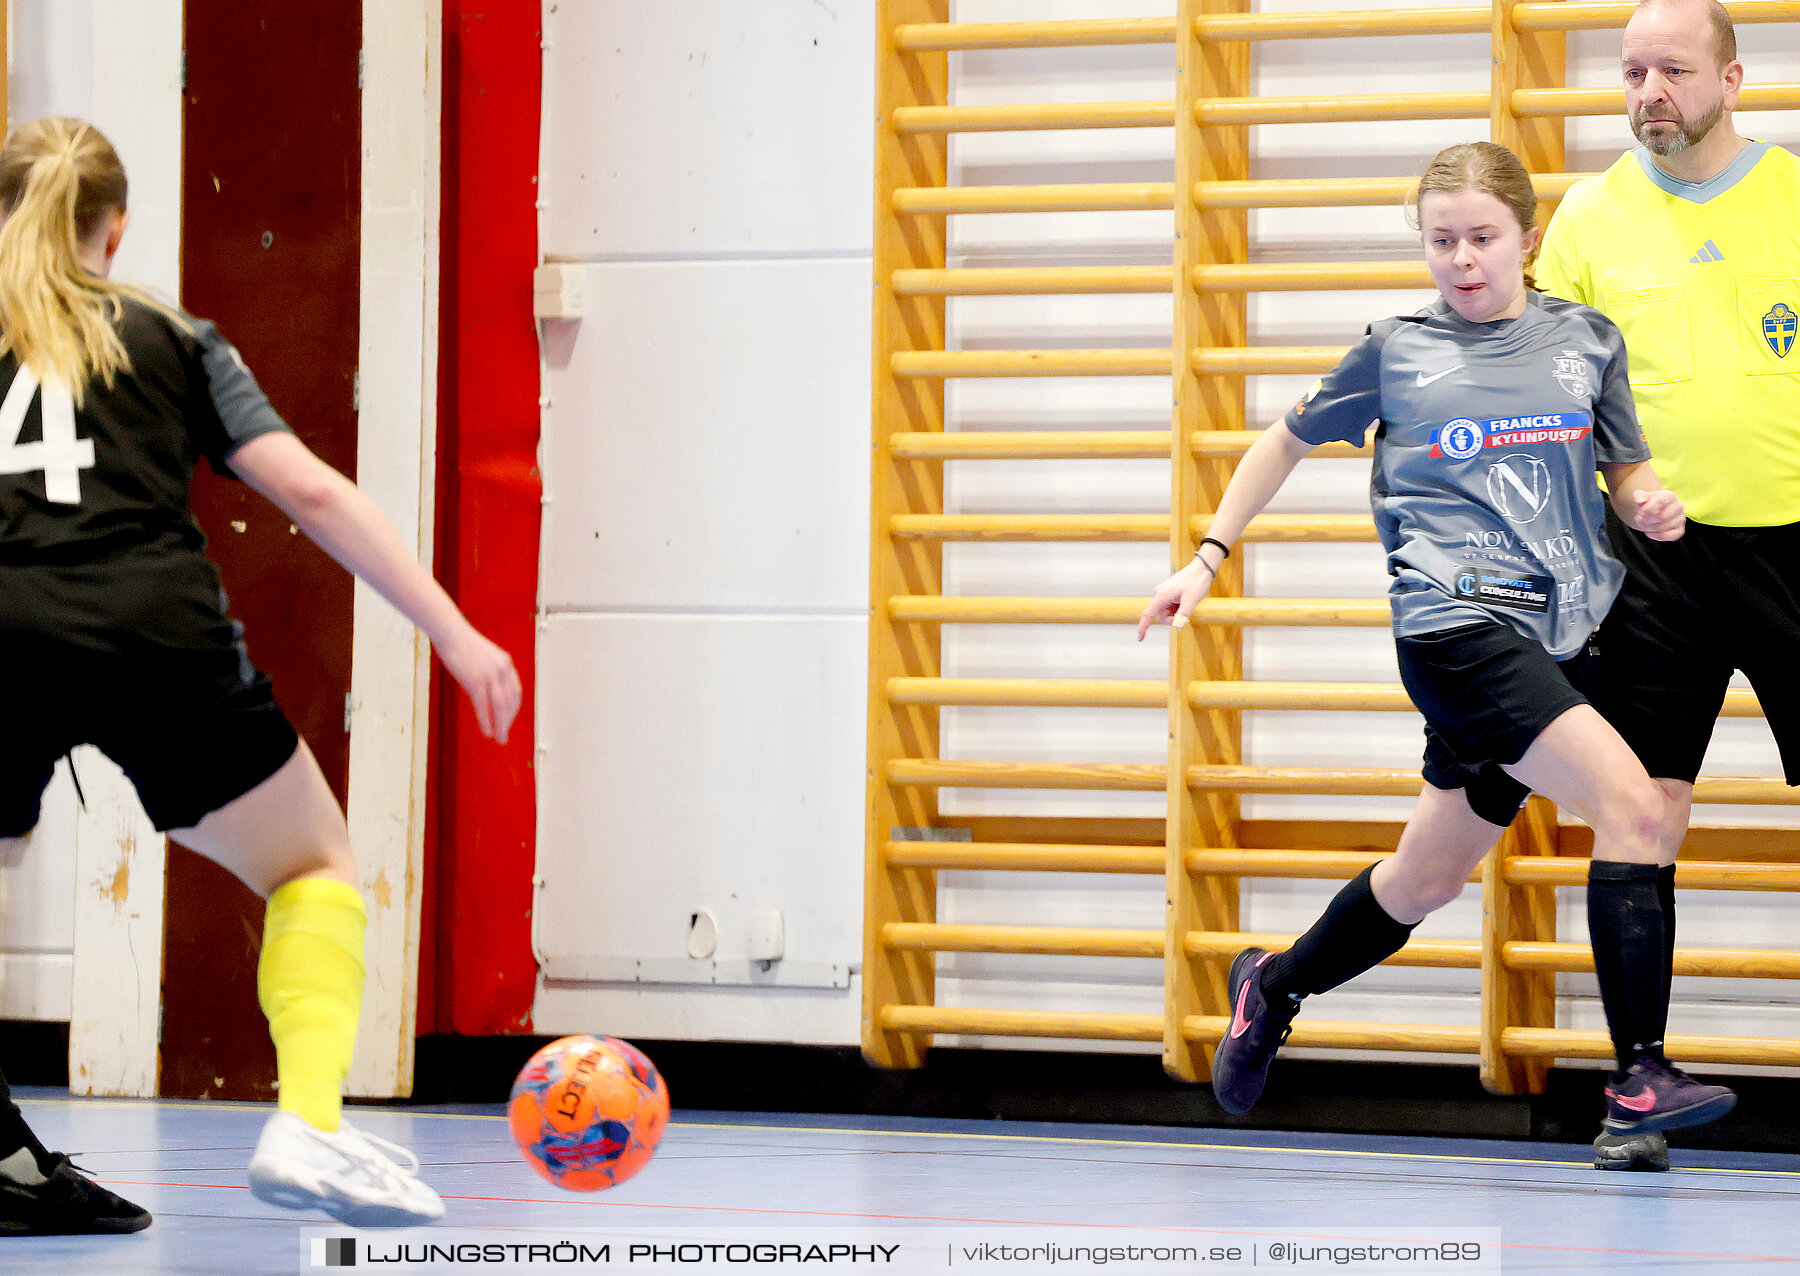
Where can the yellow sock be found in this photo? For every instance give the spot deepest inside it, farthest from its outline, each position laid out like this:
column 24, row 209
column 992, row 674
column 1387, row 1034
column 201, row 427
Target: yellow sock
column 310, row 984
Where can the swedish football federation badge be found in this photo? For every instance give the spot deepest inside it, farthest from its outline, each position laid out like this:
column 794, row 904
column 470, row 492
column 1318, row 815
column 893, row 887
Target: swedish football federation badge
column 1779, row 326
column 1571, row 373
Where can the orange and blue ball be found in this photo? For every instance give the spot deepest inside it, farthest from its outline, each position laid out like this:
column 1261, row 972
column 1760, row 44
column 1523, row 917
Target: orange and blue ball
column 587, row 1112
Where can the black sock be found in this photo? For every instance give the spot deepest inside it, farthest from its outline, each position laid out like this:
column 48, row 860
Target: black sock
column 15, row 1134
column 1665, row 891
column 1631, row 955
column 1351, row 936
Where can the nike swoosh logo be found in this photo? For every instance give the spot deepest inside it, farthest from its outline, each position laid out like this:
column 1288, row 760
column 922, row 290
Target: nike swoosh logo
column 1239, row 1024
column 1637, row 1102
column 1427, row 380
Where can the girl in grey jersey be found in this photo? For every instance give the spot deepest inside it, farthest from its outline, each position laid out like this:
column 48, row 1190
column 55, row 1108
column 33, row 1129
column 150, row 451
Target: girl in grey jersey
column 1492, row 409
column 1486, row 440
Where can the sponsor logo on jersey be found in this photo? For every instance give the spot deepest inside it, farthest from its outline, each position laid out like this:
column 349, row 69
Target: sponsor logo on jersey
column 1709, row 251
column 1513, row 590
column 1458, row 440
column 1308, row 397
column 1462, row 438
column 1518, row 484
column 1571, row 373
column 1778, row 328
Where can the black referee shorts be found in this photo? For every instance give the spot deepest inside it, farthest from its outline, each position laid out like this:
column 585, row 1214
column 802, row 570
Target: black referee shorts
column 1692, row 611
column 1487, row 691
column 193, row 729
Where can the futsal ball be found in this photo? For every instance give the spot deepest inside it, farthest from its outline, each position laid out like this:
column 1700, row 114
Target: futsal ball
column 587, row 1112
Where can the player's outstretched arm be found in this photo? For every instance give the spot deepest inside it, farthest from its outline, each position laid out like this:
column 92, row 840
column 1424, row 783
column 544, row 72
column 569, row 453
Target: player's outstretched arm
column 1641, row 501
column 350, row 527
column 1258, row 477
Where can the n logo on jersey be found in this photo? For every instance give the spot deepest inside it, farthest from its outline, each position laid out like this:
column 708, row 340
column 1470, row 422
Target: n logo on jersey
column 1519, row 486
column 1779, row 326
column 59, row 454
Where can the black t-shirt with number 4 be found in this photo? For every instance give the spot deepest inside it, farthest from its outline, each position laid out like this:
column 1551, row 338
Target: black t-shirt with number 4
column 98, row 544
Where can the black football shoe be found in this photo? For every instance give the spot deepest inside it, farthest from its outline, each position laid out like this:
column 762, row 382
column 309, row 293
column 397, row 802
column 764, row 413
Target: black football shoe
column 61, row 1202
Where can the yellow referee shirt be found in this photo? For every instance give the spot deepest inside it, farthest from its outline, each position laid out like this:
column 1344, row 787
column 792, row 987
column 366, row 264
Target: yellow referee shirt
column 1703, row 280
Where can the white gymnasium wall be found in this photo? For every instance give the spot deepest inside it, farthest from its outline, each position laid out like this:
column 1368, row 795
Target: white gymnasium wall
column 702, row 643
column 118, row 64
column 707, row 163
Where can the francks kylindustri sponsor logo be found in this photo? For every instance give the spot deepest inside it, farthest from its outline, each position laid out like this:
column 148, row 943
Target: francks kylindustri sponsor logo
column 1463, row 438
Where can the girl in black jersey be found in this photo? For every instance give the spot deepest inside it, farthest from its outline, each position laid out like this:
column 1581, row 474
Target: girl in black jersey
column 108, row 399
column 1492, row 409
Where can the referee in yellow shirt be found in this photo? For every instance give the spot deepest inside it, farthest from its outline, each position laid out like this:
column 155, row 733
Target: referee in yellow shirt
column 1691, row 244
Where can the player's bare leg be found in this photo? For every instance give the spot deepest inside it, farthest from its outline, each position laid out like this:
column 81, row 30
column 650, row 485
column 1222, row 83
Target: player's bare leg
column 1442, row 844
column 289, row 826
column 286, row 838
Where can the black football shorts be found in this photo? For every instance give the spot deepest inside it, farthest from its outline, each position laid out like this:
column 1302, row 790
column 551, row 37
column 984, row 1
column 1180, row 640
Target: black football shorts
column 1692, row 611
column 192, row 728
column 1487, row 691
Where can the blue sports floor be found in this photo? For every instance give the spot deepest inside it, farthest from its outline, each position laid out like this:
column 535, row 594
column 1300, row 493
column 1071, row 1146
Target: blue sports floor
column 769, row 1175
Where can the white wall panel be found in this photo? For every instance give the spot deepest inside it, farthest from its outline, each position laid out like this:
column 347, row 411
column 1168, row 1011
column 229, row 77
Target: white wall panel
column 37, row 878
column 706, row 471
column 1061, row 487
column 1059, row 403
column 116, row 63
column 50, row 59
column 137, row 104
column 700, row 763
column 694, row 128
column 706, row 443
column 1003, row 323
column 1329, row 318
column 50, row 56
column 693, row 1012
column 36, row 986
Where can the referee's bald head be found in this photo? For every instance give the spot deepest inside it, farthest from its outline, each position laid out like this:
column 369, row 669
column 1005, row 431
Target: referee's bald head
column 1724, row 34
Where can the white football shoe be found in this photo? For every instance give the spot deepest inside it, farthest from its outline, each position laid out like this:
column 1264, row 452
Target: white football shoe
column 345, row 1172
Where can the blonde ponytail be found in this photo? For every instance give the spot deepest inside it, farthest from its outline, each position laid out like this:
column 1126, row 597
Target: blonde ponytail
column 58, row 177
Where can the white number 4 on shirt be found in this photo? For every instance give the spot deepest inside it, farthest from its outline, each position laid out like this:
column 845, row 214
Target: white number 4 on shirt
column 61, row 456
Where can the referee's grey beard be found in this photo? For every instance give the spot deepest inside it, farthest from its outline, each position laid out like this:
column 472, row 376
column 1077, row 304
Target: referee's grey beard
column 1684, row 134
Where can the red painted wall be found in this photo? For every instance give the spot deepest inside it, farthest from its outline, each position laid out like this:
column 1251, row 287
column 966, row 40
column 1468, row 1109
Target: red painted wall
column 271, row 236
column 476, row 972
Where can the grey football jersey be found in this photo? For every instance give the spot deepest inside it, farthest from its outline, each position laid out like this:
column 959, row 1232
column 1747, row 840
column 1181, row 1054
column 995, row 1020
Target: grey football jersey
column 1486, row 442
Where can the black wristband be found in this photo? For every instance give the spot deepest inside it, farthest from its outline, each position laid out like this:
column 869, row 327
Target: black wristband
column 1201, row 554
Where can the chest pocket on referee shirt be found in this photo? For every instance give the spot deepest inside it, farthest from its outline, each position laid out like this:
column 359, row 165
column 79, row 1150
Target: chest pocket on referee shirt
column 1659, row 343
column 1769, row 324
